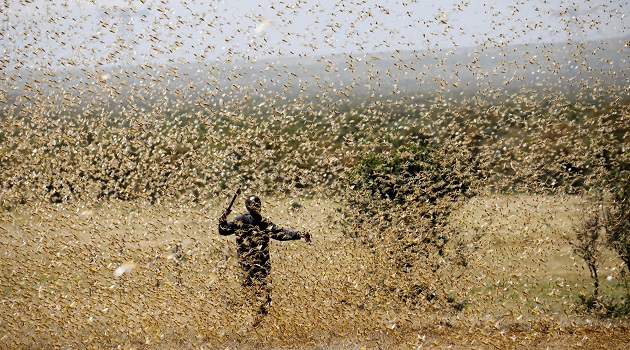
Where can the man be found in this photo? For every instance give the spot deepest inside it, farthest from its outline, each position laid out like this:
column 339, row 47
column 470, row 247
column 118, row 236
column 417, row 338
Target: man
column 253, row 233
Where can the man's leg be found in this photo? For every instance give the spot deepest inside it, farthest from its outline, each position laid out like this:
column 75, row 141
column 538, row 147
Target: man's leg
column 262, row 299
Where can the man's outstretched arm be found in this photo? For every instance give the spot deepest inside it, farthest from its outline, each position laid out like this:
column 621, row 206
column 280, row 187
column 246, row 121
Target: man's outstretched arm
column 280, row 234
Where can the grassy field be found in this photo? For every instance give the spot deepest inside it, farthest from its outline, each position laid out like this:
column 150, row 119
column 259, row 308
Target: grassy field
column 109, row 240
column 62, row 285
column 442, row 185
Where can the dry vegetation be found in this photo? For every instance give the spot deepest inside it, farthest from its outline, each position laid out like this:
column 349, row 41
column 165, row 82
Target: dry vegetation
column 60, row 288
column 457, row 196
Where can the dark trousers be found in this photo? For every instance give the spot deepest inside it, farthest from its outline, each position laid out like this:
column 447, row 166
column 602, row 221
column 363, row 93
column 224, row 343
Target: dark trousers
column 257, row 292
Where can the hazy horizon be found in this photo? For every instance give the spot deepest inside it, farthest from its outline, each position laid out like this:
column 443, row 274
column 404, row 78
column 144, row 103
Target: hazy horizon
column 204, row 51
column 95, row 34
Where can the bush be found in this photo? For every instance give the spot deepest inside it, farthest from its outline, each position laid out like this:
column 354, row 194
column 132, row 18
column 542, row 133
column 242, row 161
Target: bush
column 587, row 244
column 398, row 204
column 618, row 220
column 604, row 307
column 607, row 227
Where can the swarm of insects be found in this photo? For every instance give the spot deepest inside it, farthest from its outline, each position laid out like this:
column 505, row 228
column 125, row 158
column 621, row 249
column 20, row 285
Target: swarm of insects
column 460, row 169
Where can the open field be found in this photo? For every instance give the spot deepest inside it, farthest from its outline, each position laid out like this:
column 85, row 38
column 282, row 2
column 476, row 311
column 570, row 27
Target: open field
column 520, row 286
column 463, row 168
column 108, row 229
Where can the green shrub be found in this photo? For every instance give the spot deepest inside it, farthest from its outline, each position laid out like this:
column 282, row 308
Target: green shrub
column 604, row 307
column 409, row 174
column 398, row 203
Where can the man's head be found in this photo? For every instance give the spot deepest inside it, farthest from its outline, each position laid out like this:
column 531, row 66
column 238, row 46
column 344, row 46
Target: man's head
column 253, row 204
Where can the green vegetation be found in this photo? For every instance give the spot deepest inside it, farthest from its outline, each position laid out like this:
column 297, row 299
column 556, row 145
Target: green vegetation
column 399, row 203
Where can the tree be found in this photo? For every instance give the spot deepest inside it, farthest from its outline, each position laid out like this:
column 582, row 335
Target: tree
column 398, row 205
column 618, row 217
column 587, row 245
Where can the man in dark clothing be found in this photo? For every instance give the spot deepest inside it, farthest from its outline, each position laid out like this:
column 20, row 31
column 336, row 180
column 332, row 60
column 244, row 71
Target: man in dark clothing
column 253, row 233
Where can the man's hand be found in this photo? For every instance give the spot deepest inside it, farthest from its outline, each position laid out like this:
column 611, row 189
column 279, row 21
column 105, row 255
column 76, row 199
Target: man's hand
column 305, row 235
column 225, row 214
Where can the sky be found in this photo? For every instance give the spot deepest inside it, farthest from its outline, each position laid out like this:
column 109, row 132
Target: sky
column 52, row 33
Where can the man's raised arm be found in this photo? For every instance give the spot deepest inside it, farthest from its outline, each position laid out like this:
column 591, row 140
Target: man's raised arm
column 226, row 228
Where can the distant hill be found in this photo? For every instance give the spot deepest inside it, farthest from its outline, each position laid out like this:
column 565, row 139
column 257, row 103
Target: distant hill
column 571, row 69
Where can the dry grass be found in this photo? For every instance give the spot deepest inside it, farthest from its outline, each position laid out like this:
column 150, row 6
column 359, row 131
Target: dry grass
column 118, row 123
column 59, row 288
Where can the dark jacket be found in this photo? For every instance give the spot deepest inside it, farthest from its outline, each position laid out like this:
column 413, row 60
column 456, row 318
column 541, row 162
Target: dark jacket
column 252, row 237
